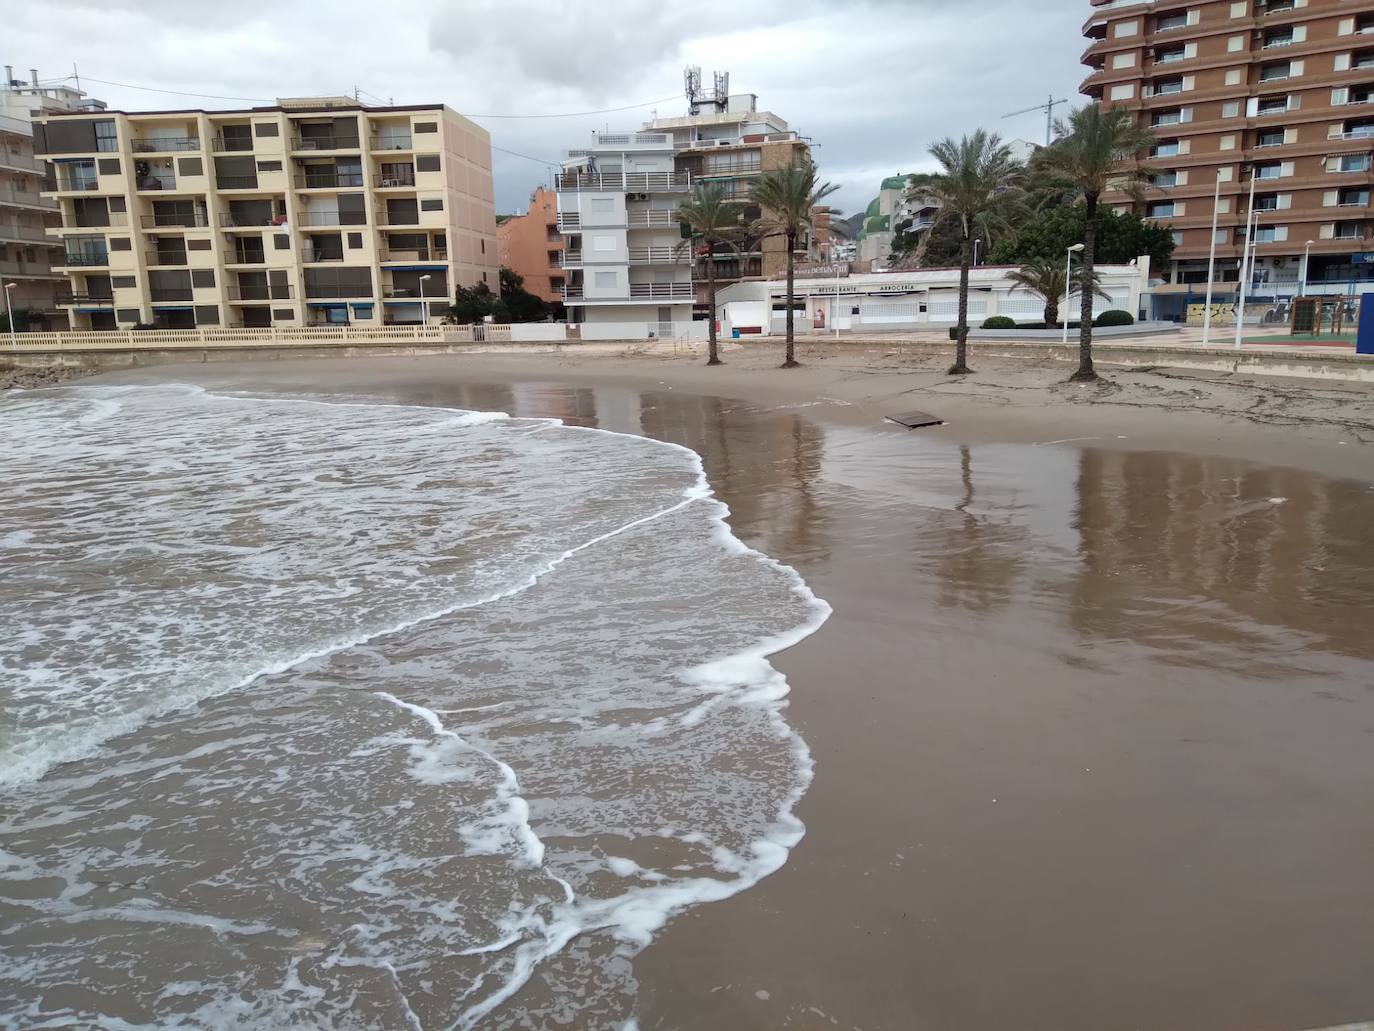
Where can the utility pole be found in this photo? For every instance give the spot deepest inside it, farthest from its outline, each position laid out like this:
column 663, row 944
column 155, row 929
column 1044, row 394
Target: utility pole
column 1048, row 107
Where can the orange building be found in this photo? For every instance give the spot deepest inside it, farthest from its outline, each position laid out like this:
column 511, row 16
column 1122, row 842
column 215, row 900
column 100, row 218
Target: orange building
column 531, row 246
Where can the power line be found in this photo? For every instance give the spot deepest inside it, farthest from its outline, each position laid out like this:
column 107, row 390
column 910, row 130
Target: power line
column 175, row 92
column 582, row 114
column 516, row 153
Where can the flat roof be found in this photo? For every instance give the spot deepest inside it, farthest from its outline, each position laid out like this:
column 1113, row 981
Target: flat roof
column 286, row 108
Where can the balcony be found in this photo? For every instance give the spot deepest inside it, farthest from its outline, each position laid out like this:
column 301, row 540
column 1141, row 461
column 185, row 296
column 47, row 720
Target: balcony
column 332, row 291
column 390, row 142
column 332, row 218
column 21, row 162
column 155, row 183
column 233, row 144
column 164, row 259
column 246, row 257
column 231, row 221
column 569, row 220
column 329, row 180
column 35, row 234
column 180, row 220
column 413, row 254
column 71, row 184
column 651, row 219
column 236, row 182
column 316, row 255
column 654, row 256
column 261, row 292
column 731, row 167
column 98, row 259
column 166, row 144
column 170, row 293
column 625, row 182
column 85, row 300
column 664, row 291
column 394, row 179
column 325, row 143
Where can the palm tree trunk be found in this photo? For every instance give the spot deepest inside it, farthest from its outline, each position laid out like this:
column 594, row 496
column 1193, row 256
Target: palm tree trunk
column 1086, row 371
column 712, row 351
column 960, row 366
column 790, row 360
column 1051, row 312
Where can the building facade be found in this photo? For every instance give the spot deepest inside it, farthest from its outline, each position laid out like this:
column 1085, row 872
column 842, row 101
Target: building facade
column 732, row 144
column 1274, row 93
column 315, row 211
column 26, row 214
column 617, row 211
column 532, row 246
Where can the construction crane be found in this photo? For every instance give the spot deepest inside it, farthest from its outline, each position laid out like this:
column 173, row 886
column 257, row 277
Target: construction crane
column 1048, row 107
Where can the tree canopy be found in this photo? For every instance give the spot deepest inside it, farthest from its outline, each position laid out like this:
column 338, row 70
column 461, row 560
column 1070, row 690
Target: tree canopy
column 1120, row 238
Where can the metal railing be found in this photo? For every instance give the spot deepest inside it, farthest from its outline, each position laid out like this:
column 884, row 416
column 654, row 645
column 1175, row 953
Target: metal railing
column 67, row 297
column 234, row 146
column 385, row 218
column 663, row 290
column 390, row 142
column 654, row 255
column 239, row 257
column 23, row 162
column 390, row 179
column 651, row 219
column 153, row 183
column 170, row 293
column 328, row 180
column 333, row 218
column 9, row 231
column 625, row 139
column 569, row 220
column 166, row 144
column 261, row 292
column 166, row 257
column 327, row 291
column 437, row 293
column 314, row 254
column 415, row 254
column 730, row 167
column 70, row 184
column 101, row 221
column 184, row 220
column 325, row 143
column 624, row 182
column 236, row 182
column 232, row 221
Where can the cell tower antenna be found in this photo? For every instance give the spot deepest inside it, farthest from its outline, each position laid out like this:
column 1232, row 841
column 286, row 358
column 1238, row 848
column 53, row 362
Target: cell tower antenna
column 697, row 98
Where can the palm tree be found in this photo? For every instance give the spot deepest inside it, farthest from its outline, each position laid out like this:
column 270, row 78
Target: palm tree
column 978, row 182
column 711, row 220
column 1045, row 277
column 1095, row 149
column 787, row 198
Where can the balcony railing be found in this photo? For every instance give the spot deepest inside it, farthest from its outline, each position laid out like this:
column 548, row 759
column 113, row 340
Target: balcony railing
column 432, row 293
column 313, row 254
column 328, row 180
column 171, row 293
column 415, row 254
column 390, row 142
column 10, row 231
column 261, row 292
column 654, row 255
column 232, row 221
column 235, row 145
column 22, row 162
column 70, row 184
column 325, row 143
column 680, row 291
column 68, row 297
column 152, row 183
column 100, row 220
column 651, row 219
column 246, row 258
column 406, row 178
column 731, row 167
column 236, row 182
column 166, row 258
column 83, row 260
column 332, row 291
column 569, row 220
column 333, row 218
column 399, row 219
column 625, row 182
column 627, row 139
column 184, row 220
column 166, row 144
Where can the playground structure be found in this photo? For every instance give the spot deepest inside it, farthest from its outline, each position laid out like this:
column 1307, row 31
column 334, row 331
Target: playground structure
column 1319, row 316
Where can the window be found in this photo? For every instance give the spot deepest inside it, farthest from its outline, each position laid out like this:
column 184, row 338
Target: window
column 118, row 204
column 108, row 166
column 1170, row 116
column 1165, row 149
column 1266, row 202
column 1161, row 209
column 1164, row 87
column 1354, row 198
column 1273, row 170
column 198, row 245
column 269, row 166
column 1125, row 28
column 605, row 280
column 1230, row 109
column 207, row 314
column 1124, row 91
column 265, row 129
column 1279, row 38
column 190, row 166
column 203, row 277
column 602, row 205
column 1270, row 138
column 1165, row 180
column 426, row 126
column 1167, row 55
column 1272, row 105
column 1349, row 230
column 281, row 241
column 1170, row 21
column 1353, row 163
column 1275, row 71
column 484, row 245
column 1177, row 237
column 282, row 314
column 355, row 240
column 603, row 243
column 432, row 204
column 123, row 282
column 120, row 243
column 128, row 315
column 426, row 162
column 106, row 138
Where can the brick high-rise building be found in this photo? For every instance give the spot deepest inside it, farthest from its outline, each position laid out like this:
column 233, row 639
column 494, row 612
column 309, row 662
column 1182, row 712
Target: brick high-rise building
column 1283, row 89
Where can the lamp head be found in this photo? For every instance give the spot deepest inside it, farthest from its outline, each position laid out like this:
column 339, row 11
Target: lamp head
column 424, row 278
column 1076, row 248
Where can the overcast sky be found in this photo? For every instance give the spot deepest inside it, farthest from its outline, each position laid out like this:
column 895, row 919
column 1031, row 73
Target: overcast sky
column 871, row 82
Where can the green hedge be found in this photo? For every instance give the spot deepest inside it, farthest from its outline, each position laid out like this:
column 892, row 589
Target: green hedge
column 1114, row 317
column 999, row 322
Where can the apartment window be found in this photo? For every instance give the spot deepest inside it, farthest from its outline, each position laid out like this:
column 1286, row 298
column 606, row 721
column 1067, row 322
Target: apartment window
column 129, row 315
column 269, row 166
column 1272, row 105
column 1353, row 198
column 1164, row 87
column 1275, row 71
column 1170, row 21
column 1279, row 38
column 1166, row 180
column 281, row 241
column 1230, row 109
column 198, row 245
column 426, row 126
column 603, row 243
column 1167, row 55
column 1277, row 6
column 120, row 243
column 1270, row 138
column 267, row 129
column 118, row 204
column 1349, row 230
column 484, row 245
column 107, row 166
column 1271, row 234
column 1160, row 209
column 1273, row 170
column 1353, row 163
column 1177, row 236
column 123, row 282
column 1266, row 202
column 426, row 162
column 1170, row 116
column 1123, row 91
column 106, row 137
column 203, row 278
column 190, row 166
column 207, row 314
column 355, row 240
column 602, row 205
column 1220, row 237
column 283, row 314
column 1165, row 149
column 432, row 204
column 236, row 137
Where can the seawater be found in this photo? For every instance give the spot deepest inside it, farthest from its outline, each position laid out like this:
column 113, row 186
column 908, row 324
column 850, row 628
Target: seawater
column 337, row 714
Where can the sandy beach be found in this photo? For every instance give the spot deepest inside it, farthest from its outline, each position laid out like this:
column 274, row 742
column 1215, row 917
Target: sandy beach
column 1092, row 720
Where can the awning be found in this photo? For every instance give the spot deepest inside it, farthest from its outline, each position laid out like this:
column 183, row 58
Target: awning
column 327, row 304
column 416, row 268
column 172, row 307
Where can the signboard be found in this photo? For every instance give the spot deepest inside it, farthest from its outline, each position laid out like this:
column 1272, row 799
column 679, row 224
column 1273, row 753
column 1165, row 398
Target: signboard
column 839, row 268
column 1362, row 258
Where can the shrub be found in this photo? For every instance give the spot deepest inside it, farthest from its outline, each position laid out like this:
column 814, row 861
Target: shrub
column 999, row 322
column 1114, row 317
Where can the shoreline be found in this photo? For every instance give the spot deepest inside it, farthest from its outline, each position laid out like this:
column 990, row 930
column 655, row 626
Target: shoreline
column 996, row 824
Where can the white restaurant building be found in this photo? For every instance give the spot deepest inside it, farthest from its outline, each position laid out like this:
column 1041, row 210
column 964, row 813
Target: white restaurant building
column 921, row 299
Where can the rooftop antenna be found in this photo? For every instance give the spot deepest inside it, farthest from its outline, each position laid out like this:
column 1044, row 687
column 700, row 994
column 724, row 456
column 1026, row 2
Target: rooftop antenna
column 1048, row 107
column 697, row 98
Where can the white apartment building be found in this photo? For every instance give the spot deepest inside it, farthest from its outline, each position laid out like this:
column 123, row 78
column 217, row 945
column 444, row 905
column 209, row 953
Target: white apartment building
column 627, row 273
column 26, row 249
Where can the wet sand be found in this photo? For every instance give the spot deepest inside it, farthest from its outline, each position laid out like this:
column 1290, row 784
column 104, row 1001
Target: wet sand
column 1093, row 719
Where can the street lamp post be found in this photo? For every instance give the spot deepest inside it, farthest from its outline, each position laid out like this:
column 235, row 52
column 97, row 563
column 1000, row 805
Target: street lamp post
column 1068, row 291
column 1306, row 257
column 1211, row 265
column 976, row 242
column 9, row 310
column 1244, row 257
column 424, row 311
